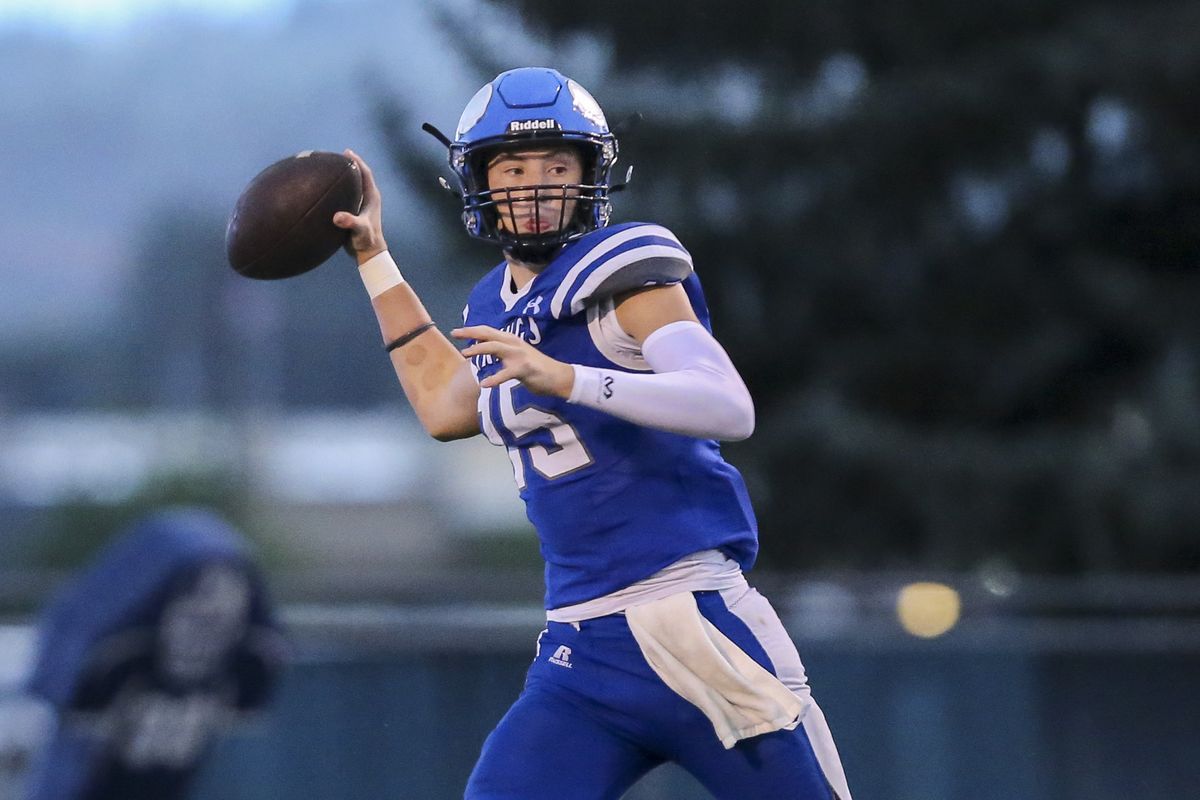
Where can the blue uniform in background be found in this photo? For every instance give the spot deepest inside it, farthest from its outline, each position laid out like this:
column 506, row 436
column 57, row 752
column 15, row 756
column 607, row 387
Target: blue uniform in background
column 147, row 655
column 614, row 503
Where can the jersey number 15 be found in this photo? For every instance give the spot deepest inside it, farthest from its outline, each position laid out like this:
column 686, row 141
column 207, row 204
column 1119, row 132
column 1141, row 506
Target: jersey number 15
column 564, row 454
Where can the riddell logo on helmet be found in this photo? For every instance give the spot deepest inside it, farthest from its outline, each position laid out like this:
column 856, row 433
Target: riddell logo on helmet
column 525, row 125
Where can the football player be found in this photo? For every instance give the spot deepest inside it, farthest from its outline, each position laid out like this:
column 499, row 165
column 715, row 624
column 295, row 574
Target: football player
column 148, row 656
column 589, row 357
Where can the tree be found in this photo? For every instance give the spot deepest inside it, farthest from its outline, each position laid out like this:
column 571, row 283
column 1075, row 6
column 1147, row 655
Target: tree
column 952, row 250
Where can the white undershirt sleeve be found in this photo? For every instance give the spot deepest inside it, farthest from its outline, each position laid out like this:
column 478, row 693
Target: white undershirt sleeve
column 694, row 390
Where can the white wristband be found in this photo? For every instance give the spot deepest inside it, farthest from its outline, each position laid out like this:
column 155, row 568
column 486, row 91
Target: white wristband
column 587, row 387
column 380, row 273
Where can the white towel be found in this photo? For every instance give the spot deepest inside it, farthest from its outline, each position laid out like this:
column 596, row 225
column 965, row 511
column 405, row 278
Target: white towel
column 704, row 667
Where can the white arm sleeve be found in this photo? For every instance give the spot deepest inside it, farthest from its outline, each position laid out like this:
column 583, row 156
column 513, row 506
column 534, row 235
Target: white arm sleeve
column 694, row 390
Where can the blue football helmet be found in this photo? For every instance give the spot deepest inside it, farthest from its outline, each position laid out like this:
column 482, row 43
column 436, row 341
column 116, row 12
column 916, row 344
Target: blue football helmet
column 523, row 107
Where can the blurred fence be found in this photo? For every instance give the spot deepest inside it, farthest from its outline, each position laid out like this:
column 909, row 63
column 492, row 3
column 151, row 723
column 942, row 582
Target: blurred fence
column 1046, row 689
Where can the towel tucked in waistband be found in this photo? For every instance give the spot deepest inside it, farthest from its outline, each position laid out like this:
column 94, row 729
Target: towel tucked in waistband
column 704, row 667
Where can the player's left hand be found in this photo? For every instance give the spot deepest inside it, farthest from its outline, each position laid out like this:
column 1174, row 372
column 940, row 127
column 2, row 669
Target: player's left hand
column 538, row 372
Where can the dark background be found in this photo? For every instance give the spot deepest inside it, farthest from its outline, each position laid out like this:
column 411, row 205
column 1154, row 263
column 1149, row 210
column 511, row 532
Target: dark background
column 958, row 267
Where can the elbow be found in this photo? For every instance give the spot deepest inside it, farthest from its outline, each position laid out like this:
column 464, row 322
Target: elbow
column 446, row 433
column 744, row 432
column 446, row 429
column 741, row 426
column 737, row 421
column 442, row 434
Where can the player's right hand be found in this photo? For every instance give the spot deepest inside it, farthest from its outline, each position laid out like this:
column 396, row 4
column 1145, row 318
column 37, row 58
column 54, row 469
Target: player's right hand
column 366, row 227
column 520, row 360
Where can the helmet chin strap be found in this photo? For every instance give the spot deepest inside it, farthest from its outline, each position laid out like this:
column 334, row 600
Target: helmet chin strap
column 531, row 253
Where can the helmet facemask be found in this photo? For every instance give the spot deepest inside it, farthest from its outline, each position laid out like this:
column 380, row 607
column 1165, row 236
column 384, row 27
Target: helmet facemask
column 532, row 108
column 558, row 212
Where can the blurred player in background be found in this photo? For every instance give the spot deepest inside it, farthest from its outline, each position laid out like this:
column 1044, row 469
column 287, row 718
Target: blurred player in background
column 590, row 358
column 149, row 655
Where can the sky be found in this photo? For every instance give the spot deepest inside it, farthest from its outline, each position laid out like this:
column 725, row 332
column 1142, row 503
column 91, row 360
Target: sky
column 117, row 116
column 116, row 112
column 89, row 15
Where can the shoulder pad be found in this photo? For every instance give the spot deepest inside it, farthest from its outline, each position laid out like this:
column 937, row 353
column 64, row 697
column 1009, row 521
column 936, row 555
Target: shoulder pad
column 632, row 257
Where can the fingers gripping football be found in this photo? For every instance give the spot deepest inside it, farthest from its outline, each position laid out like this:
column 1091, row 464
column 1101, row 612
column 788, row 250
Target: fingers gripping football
column 366, row 227
column 520, row 360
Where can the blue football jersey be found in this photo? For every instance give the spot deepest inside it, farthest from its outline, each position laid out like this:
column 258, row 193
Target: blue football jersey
column 612, row 502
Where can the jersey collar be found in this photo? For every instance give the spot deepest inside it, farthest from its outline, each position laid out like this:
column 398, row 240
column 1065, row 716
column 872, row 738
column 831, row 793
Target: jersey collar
column 507, row 295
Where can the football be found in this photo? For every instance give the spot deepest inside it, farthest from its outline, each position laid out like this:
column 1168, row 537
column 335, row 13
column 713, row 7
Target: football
column 282, row 224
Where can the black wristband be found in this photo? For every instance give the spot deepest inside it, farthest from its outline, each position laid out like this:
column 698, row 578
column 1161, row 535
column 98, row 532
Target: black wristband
column 408, row 337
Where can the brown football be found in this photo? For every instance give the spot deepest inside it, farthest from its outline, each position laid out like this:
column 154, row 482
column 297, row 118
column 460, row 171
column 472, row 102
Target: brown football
column 282, row 224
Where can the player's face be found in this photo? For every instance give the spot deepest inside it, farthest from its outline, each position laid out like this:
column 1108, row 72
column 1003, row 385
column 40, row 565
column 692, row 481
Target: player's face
column 200, row 625
column 509, row 174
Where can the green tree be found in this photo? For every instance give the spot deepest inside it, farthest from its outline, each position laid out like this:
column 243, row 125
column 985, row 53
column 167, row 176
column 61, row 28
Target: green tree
column 952, row 249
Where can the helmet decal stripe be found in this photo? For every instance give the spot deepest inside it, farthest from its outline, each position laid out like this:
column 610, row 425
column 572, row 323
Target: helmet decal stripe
column 474, row 111
column 585, row 104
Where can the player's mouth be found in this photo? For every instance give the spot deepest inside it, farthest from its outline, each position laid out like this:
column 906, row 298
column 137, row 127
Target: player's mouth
column 538, row 225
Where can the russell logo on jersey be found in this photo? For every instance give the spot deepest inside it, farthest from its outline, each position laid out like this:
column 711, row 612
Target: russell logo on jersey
column 562, row 657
